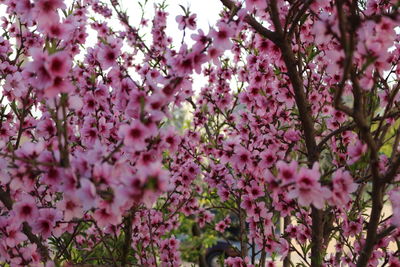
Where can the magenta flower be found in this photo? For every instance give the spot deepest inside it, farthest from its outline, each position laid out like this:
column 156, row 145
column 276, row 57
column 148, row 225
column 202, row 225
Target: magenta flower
column 25, row 209
column 36, row 71
column 14, row 236
column 308, row 190
column 256, row 4
column 242, row 158
column 59, row 85
column 87, row 194
column 355, row 151
column 108, row 55
column 46, row 10
column 343, row 186
column 71, row 206
column 221, row 36
column 287, row 172
column 45, row 223
column 59, row 64
column 134, row 135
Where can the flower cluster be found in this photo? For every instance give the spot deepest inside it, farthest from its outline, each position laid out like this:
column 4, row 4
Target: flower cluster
column 111, row 154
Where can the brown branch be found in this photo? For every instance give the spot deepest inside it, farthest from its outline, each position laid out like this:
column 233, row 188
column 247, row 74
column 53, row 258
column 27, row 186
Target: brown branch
column 308, row 129
column 332, row 134
column 127, row 240
column 258, row 27
column 297, row 18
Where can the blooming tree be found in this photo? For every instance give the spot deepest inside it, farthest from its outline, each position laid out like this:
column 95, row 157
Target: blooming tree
column 294, row 127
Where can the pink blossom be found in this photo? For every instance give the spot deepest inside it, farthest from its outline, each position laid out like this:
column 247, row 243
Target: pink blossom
column 221, row 36
column 107, row 56
column 343, row 185
column 255, row 190
column 46, row 10
column 36, row 71
column 14, row 236
column 256, row 4
column 71, row 206
column 287, row 172
column 268, row 159
column 308, row 189
column 134, row 135
column 258, row 212
column 87, row 194
column 45, row 223
column 59, row 64
column 355, row 151
column 105, row 217
column 58, row 85
column 26, row 209
column 186, row 22
column 242, row 158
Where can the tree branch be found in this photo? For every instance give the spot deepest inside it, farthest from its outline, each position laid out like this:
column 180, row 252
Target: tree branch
column 258, row 27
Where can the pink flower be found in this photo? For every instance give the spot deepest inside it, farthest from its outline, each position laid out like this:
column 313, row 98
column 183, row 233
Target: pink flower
column 87, row 194
column 221, row 226
column 46, row 128
column 15, row 84
column 355, row 151
column 107, row 56
column 36, row 71
column 258, row 212
column 186, row 22
column 134, row 135
column 256, row 4
column 247, row 203
column 4, row 175
column 287, row 172
column 214, row 53
column 14, row 235
column 57, row 30
column 25, row 8
column 172, row 139
column 200, row 38
column 46, row 10
column 105, row 217
column 46, row 222
column 343, row 186
column 59, row 64
column 242, row 158
column 308, row 189
column 71, row 206
column 59, row 85
column 155, row 182
column 268, row 158
column 221, row 36
column 352, row 228
column 53, row 176
column 26, row 209
column 238, row 262
column 255, row 190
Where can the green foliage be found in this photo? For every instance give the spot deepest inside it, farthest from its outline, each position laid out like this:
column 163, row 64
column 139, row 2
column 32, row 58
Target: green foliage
column 193, row 246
